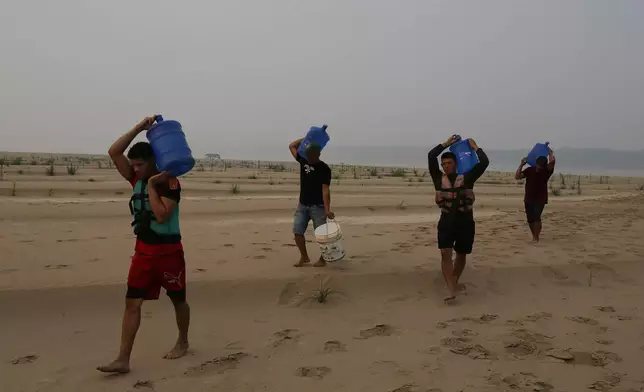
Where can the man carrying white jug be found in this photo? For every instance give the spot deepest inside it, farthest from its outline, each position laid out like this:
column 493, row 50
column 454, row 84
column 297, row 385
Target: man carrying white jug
column 455, row 197
column 158, row 254
column 315, row 197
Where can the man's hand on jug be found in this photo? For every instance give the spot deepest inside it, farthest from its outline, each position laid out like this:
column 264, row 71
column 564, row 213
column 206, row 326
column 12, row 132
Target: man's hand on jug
column 524, row 161
column 473, row 144
column 451, row 140
column 330, row 215
column 146, row 123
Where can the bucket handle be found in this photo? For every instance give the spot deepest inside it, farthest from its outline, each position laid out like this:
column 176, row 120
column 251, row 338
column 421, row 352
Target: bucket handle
column 327, row 226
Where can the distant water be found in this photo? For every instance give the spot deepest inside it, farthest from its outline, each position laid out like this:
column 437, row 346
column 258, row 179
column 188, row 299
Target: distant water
column 569, row 160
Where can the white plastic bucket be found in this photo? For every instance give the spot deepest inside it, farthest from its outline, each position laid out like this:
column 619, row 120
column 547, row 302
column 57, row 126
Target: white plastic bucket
column 329, row 237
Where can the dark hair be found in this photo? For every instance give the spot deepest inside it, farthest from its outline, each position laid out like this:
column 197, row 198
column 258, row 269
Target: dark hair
column 448, row 155
column 141, row 150
column 542, row 161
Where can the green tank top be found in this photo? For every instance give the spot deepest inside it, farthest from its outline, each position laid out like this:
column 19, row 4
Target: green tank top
column 145, row 224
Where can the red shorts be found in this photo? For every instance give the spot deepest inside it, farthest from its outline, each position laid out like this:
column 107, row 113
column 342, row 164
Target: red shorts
column 148, row 273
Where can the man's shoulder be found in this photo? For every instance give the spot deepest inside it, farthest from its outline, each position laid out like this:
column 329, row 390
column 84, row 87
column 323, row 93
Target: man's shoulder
column 323, row 165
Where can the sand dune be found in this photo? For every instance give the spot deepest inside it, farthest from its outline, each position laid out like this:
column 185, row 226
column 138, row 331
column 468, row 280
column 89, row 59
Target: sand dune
column 563, row 315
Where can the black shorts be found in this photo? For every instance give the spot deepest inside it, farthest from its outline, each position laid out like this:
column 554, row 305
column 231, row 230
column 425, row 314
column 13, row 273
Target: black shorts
column 456, row 233
column 533, row 211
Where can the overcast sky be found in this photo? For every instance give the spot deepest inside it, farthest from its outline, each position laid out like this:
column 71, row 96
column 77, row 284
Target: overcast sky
column 242, row 75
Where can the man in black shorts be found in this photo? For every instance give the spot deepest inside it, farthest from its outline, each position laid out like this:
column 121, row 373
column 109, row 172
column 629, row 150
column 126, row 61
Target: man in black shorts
column 455, row 197
column 536, row 190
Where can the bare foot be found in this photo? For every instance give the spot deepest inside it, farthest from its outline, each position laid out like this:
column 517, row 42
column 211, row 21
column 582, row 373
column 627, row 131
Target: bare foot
column 320, row 263
column 461, row 287
column 450, row 299
column 303, row 261
column 180, row 349
column 117, row 366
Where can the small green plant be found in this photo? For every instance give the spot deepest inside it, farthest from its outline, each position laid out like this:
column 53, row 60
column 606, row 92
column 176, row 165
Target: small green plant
column 555, row 192
column 91, row 180
column 13, row 190
column 415, row 171
column 641, row 188
column 2, row 163
column 51, row 170
column 72, row 169
column 270, row 181
column 373, row 172
column 17, row 161
column 234, row 189
column 324, row 293
column 579, row 185
column 33, row 162
column 337, row 181
column 201, row 167
column 252, row 177
column 50, row 192
column 410, row 180
column 21, row 172
column 217, row 181
column 276, row 168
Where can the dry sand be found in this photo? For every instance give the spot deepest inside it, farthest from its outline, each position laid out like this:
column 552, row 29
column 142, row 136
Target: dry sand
column 563, row 315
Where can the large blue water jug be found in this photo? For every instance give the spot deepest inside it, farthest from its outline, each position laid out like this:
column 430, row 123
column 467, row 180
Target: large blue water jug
column 466, row 157
column 539, row 150
column 170, row 147
column 314, row 135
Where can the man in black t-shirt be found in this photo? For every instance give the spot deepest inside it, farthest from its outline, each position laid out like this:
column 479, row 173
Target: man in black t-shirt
column 315, row 197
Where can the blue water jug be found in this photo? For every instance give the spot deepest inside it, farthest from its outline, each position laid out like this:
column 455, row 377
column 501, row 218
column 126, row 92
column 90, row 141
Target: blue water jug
column 539, row 150
column 466, row 157
column 170, row 147
column 314, row 135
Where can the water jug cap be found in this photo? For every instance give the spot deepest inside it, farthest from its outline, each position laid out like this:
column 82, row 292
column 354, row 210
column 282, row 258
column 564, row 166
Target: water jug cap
column 159, row 118
column 324, row 127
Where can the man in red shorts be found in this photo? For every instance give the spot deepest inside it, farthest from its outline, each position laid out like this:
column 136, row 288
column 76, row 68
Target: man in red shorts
column 536, row 190
column 158, row 255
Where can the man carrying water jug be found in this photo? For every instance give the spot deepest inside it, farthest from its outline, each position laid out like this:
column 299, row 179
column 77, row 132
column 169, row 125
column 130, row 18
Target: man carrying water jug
column 158, row 254
column 536, row 189
column 455, row 197
column 315, row 197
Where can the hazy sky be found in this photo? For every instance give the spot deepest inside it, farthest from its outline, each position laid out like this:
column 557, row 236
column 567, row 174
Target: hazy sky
column 245, row 75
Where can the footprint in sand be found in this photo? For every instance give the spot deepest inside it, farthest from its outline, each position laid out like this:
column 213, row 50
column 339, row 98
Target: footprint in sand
column 143, row 384
column 333, row 346
column 57, row 266
column 605, row 342
column 313, row 372
column 229, row 245
column 607, row 384
column 464, row 333
column 259, row 257
column 583, row 320
column 605, row 309
column 597, row 358
column 378, row 330
column 388, row 367
column 24, row 360
column 539, row 316
column 483, row 319
column 524, row 381
column 217, row 365
column 414, row 388
column 69, row 240
column 284, row 336
column 267, row 249
column 521, row 348
column 200, row 270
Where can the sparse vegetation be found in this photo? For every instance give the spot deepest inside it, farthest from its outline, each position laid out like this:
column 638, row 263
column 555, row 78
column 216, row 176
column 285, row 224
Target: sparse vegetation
column 72, row 169
column 579, row 185
column 563, row 181
column 13, row 189
column 17, row 161
column 234, row 189
column 252, row 177
column 50, row 192
column 91, row 180
column 270, row 181
column 373, row 172
column 641, row 188
column 200, row 167
column 2, row 162
column 398, row 173
column 51, row 170
column 33, row 162
column 276, row 168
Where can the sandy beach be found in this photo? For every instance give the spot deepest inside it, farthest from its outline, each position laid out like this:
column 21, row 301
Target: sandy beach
column 562, row 315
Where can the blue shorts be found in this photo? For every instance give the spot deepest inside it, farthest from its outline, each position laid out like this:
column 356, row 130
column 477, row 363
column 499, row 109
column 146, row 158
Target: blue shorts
column 304, row 214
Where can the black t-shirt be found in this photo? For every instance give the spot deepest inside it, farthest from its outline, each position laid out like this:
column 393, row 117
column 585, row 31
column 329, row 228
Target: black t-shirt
column 312, row 177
